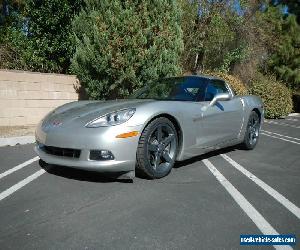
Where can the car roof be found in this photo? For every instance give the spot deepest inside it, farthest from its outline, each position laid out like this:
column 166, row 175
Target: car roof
column 205, row 76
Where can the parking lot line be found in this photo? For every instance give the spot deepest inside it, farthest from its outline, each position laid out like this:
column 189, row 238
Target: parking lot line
column 290, row 137
column 292, row 119
column 24, row 164
column 281, row 124
column 280, row 138
column 263, row 225
column 271, row 191
column 21, row 184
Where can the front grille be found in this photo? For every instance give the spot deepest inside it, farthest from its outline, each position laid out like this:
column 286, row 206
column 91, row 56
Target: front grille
column 68, row 152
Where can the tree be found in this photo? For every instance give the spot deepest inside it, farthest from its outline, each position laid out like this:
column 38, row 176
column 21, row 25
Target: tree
column 48, row 28
column 12, row 39
column 285, row 61
column 280, row 33
column 9, row 10
column 122, row 44
column 259, row 32
column 210, row 34
column 293, row 6
column 36, row 35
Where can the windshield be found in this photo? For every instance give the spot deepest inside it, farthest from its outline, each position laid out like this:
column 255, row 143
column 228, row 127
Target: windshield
column 189, row 88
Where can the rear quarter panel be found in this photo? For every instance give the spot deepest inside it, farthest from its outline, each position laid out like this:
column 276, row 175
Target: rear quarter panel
column 251, row 102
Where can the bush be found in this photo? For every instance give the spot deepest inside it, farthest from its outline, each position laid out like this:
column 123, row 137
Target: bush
column 50, row 44
column 235, row 83
column 276, row 97
column 123, row 44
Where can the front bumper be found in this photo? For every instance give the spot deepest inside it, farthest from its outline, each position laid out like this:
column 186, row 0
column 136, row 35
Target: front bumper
column 87, row 139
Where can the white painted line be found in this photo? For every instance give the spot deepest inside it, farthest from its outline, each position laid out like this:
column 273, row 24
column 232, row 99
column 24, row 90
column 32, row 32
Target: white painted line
column 291, row 119
column 24, row 164
column 269, row 132
column 262, row 224
column 295, row 114
column 21, row 184
column 12, row 141
column 282, row 124
column 280, row 138
column 271, row 191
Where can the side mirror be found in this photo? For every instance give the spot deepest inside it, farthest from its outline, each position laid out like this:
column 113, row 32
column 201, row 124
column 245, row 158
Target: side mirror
column 220, row 97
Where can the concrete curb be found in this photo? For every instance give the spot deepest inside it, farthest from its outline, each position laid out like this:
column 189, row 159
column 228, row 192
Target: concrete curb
column 294, row 114
column 12, row 141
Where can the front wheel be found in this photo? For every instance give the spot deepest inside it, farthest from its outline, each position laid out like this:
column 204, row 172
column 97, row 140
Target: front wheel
column 252, row 131
column 157, row 149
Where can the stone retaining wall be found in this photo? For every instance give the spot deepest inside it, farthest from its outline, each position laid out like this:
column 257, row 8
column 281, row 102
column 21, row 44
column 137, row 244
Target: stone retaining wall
column 25, row 97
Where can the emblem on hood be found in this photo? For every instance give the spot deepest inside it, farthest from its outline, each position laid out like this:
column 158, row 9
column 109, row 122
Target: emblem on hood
column 51, row 124
column 56, row 123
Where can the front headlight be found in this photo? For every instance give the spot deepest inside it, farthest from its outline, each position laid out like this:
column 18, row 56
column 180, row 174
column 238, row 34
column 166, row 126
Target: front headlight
column 111, row 119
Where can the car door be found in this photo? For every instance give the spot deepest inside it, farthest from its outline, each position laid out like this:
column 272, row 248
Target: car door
column 222, row 121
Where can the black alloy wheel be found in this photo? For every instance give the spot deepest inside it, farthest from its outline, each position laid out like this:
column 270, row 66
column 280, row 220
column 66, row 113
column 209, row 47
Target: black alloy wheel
column 157, row 148
column 252, row 131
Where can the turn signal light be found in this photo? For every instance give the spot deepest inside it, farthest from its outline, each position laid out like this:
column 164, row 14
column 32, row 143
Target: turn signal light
column 129, row 134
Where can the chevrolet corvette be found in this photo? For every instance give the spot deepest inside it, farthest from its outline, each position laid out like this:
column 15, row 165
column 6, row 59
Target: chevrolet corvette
column 167, row 120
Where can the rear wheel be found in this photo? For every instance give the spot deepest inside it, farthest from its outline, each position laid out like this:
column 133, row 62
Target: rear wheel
column 157, row 148
column 252, row 131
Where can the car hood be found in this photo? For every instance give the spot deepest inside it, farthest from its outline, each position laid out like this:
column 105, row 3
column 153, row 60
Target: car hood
column 79, row 113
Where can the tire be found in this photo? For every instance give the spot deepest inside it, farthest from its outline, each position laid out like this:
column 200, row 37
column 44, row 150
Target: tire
column 252, row 131
column 157, row 148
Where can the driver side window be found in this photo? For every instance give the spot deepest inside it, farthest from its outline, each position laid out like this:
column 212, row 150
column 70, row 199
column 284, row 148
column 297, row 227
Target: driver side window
column 215, row 87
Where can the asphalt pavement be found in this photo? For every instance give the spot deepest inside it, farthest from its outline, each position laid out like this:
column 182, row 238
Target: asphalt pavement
column 205, row 203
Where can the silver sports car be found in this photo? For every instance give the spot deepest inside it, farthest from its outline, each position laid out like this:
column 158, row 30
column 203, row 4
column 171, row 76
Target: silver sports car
column 169, row 120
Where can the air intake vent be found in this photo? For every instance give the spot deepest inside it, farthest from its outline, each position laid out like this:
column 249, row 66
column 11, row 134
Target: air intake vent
column 67, row 152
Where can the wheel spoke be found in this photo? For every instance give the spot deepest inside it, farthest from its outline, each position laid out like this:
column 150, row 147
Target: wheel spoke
column 167, row 157
column 152, row 147
column 159, row 133
column 250, row 137
column 167, row 140
column 156, row 161
column 251, row 140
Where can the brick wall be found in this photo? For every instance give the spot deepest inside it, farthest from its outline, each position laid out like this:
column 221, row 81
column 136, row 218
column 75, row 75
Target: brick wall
column 25, row 97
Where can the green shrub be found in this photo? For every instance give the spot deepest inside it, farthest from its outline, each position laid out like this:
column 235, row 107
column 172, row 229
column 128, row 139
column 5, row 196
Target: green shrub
column 123, row 44
column 276, row 97
column 235, row 83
